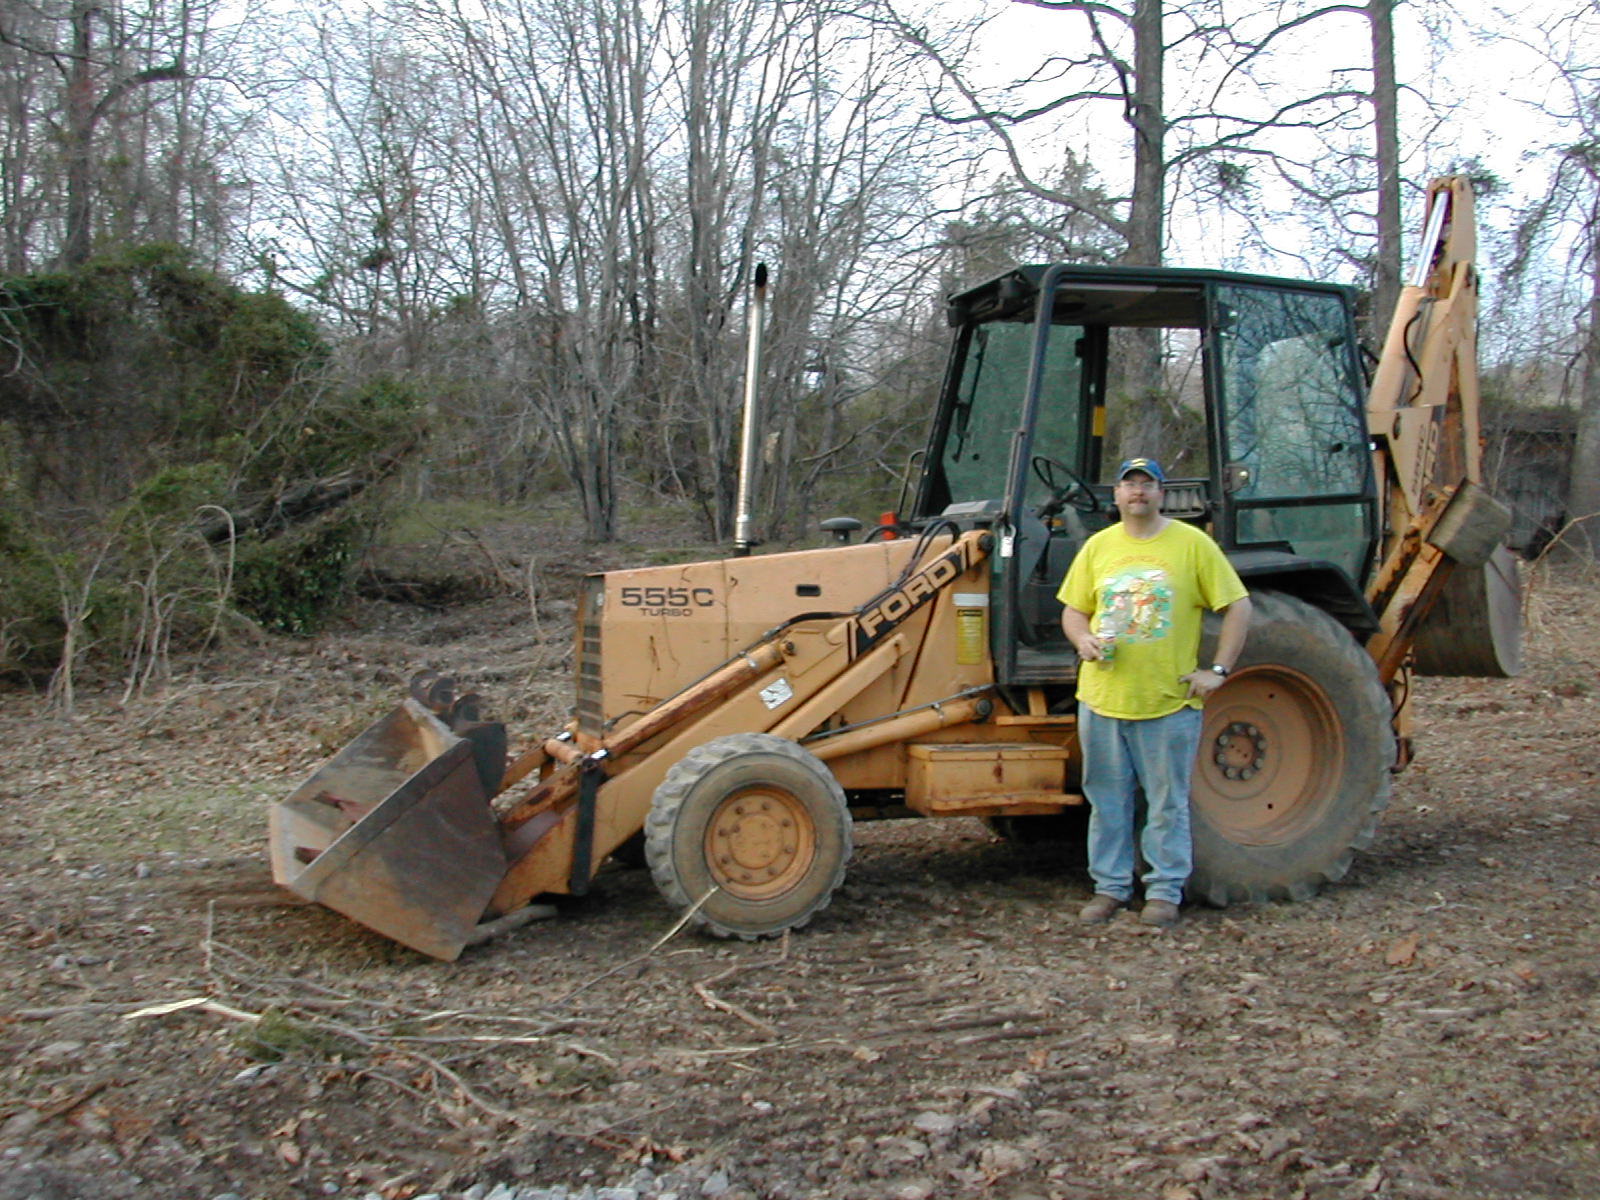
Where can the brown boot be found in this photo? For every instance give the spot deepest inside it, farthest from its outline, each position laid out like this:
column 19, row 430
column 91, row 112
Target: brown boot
column 1163, row 914
column 1099, row 910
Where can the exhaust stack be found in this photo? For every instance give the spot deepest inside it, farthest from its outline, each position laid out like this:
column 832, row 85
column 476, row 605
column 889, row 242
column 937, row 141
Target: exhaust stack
column 743, row 537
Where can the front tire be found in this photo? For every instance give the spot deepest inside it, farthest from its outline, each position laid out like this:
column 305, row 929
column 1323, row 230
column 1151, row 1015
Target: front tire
column 758, row 823
column 1294, row 761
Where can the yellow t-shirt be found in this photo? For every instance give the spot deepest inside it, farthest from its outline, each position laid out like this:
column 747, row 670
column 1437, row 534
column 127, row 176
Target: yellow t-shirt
column 1149, row 596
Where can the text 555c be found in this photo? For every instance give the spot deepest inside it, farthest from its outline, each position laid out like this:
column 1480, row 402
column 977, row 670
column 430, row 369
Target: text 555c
column 668, row 597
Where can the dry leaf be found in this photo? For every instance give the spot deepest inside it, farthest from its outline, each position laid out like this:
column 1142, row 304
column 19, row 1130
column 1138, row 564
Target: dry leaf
column 1404, row 952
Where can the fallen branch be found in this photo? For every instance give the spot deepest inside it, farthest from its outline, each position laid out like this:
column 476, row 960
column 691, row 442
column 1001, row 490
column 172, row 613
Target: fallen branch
column 525, row 915
column 703, row 989
column 637, row 959
column 68, row 1010
column 495, row 1040
column 62, row 1107
column 302, row 501
column 713, row 1001
column 203, row 1003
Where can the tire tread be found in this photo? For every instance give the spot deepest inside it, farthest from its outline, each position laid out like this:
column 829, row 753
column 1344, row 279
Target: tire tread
column 674, row 791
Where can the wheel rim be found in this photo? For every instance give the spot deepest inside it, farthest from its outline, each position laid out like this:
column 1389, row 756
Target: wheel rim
column 760, row 842
column 1272, row 757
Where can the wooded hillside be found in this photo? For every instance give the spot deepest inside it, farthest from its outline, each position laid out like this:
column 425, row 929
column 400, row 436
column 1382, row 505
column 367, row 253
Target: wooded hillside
column 259, row 258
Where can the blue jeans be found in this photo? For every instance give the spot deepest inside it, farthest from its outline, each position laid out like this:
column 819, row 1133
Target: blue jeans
column 1118, row 758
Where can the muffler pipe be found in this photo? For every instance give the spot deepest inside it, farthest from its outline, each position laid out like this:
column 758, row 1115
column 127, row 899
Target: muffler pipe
column 744, row 521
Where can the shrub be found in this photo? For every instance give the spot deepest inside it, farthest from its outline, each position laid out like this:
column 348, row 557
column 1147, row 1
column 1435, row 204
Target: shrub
column 152, row 398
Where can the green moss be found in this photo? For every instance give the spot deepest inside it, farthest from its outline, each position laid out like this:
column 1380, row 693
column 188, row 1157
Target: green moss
column 279, row 1035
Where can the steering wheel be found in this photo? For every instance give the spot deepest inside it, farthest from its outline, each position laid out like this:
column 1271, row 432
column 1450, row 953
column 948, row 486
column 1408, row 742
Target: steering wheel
column 1075, row 492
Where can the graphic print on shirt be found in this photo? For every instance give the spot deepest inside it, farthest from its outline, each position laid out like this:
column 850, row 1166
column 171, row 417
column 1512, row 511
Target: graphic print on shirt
column 1135, row 606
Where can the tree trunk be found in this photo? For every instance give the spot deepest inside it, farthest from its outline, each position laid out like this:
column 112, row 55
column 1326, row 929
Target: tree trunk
column 1147, row 213
column 1386, row 135
column 1583, row 493
column 1138, row 356
column 79, row 237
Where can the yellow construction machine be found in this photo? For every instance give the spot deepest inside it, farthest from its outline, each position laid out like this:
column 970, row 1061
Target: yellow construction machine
column 737, row 716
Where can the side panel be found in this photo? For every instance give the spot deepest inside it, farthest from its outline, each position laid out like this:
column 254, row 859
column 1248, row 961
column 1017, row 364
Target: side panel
column 951, row 655
column 645, row 634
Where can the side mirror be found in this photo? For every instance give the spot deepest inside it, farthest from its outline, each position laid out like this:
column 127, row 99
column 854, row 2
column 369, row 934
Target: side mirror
column 840, row 528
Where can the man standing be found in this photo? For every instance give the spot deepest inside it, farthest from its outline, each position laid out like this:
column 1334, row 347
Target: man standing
column 1132, row 606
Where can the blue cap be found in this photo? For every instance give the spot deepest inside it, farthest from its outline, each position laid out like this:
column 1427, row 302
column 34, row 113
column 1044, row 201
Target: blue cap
column 1148, row 465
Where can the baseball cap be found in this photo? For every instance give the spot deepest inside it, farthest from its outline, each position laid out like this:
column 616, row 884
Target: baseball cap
column 1148, row 465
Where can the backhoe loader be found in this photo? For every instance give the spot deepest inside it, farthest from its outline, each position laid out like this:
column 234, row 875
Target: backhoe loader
column 737, row 716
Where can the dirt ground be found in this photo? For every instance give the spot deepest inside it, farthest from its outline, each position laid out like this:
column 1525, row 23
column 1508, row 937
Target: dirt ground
column 173, row 1025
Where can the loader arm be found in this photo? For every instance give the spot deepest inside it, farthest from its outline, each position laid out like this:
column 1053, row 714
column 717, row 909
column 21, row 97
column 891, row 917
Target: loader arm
column 788, row 684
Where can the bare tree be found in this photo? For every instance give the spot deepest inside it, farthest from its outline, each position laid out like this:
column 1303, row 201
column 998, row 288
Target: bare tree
column 124, row 126
column 1114, row 75
column 1565, row 216
column 1264, row 118
column 563, row 201
column 1386, row 153
column 1345, row 172
column 820, row 168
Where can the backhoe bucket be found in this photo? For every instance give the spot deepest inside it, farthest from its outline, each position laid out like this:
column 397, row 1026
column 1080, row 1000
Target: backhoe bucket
column 396, row 830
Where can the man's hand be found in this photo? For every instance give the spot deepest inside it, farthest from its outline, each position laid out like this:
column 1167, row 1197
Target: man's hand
column 1090, row 648
column 1075, row 625
column 1203, row 682
column 1230, row 641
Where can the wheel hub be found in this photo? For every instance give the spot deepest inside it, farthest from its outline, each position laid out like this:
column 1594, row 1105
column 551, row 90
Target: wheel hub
column 1240, row 750
column 1272, row 754
column 759, row 843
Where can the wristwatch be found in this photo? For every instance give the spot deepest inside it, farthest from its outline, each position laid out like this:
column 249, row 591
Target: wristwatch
column 1219, row 669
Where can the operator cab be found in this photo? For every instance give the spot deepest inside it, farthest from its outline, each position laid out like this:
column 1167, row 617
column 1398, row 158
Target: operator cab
column 1258, row 413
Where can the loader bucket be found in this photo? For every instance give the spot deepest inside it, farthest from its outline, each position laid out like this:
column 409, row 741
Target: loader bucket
column 396, row 831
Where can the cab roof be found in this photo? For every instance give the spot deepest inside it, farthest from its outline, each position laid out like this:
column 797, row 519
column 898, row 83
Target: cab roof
column 1152, row 297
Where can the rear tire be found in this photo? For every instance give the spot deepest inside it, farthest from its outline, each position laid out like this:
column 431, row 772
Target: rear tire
column 1294, row 759
column 756, row 821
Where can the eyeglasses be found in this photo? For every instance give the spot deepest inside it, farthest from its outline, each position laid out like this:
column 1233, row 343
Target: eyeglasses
column 1143, row 485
